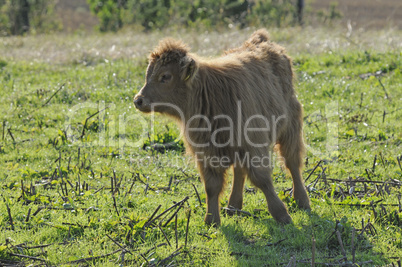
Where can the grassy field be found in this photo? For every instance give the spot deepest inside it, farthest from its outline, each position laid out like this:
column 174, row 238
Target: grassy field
column 83, row 182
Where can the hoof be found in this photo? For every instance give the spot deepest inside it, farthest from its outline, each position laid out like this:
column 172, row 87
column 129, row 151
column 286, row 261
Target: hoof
column 212, row 221
column 302, row 200
column 230, row 211
column 304, row 205
column 284, row 219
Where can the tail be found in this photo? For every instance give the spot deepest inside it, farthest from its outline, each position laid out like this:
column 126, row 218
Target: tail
column 258, row 37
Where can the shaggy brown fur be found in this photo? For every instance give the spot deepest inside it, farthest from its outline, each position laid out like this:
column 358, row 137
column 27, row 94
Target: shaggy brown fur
column 219, row 103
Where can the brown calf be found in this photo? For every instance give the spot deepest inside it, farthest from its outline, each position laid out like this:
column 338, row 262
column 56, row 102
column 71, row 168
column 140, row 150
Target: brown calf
column 232, row 110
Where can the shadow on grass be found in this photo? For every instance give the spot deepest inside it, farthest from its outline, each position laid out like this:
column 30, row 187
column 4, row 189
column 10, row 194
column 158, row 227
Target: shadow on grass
column 264, row 242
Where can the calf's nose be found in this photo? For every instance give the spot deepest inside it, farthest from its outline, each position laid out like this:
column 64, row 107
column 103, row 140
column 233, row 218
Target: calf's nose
column 138, row 102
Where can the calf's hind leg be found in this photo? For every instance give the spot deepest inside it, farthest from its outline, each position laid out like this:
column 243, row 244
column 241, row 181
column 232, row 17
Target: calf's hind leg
column 261, row 177
column 236, row 196
column 291, row 147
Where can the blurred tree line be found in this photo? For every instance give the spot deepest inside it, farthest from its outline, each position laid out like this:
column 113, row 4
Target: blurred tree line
column 21, row 16
column 38, row 16
column 157, row 14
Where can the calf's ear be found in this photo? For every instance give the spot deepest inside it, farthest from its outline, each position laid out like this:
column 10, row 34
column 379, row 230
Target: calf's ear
column 188, row 68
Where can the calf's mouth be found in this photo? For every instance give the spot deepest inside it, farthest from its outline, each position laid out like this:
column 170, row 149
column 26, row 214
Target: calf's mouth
column 142, row 103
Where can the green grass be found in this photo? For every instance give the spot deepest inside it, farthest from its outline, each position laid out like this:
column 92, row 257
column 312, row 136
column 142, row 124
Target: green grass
column 65, row 182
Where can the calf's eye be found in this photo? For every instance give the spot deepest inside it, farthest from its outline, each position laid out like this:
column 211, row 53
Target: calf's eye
column 165, row 78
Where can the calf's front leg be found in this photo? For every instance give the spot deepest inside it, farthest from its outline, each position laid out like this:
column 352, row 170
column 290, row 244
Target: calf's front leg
column 213, row 179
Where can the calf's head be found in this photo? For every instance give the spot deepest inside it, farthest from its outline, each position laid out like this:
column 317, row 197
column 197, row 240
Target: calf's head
column 169, row 75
